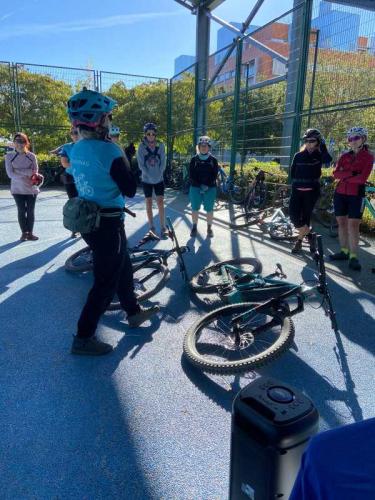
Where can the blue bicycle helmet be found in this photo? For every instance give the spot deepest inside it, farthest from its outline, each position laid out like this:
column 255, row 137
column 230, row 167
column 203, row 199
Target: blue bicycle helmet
column 149, row 126
column 88, row 107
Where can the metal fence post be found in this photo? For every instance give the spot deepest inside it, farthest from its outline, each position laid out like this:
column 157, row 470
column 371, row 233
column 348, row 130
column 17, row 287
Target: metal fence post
column 236, row 105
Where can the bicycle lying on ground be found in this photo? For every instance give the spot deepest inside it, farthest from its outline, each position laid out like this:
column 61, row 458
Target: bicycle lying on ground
column 273, row 220
column 244, row 335
column 150, row 267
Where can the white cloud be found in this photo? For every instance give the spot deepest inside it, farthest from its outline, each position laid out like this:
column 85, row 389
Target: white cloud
column 5, row 16
column 84, row 25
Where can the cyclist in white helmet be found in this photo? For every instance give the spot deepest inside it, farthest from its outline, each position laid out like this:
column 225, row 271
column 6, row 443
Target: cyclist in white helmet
column 352, row 171
column 203, row 172
column 114, row 134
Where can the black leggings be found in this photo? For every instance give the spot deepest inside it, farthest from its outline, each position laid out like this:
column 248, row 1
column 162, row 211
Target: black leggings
column 70, row 186
column 26, row 208
column 113, row 273
column 301, row 206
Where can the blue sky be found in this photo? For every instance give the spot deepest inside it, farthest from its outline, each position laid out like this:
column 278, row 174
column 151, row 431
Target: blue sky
column 139, row 37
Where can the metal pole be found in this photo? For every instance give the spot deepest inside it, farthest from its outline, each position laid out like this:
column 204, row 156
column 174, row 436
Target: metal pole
column 313, row 76
column 301, row 81
column 201, row 72
column 169, row 124
column 236, row 98
column 245, row 114
column 17, row 98
column 13, row 95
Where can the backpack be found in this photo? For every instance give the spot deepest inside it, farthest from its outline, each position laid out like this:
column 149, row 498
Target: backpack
column 81, row 216
column 151, row 154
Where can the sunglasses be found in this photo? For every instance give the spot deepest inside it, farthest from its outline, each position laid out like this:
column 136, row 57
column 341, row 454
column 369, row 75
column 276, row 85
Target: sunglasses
column 310, row 141
column 354, row 138
column 74, row 133
column 19, row 141
column 150, row 133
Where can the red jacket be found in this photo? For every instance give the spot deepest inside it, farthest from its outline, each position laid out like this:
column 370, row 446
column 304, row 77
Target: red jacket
column 353, row 170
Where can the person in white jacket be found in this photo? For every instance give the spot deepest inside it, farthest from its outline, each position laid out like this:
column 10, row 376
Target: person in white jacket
column 22, row 168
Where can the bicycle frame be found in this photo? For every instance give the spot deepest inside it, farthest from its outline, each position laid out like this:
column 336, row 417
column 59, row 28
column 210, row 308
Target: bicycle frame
column 368, row 204
column 280, row 303
column 225, row 180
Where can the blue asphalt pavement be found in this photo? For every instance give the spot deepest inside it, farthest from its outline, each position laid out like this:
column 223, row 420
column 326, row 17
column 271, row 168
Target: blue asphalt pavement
column 141, row 423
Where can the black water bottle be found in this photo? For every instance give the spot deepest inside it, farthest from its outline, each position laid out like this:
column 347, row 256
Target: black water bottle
column 271, row 425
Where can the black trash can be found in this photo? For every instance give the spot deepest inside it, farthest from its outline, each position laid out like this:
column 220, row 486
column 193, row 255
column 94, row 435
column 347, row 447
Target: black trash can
column 271, row 425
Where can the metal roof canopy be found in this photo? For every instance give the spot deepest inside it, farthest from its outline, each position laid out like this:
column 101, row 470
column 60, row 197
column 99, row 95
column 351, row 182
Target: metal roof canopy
column 203, row 10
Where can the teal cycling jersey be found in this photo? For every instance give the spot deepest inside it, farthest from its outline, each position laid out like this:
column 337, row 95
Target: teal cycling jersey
column 66, row 150
column 90, row 165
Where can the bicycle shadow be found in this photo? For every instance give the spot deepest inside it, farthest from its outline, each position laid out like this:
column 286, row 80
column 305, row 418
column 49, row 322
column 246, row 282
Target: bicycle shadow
column 133, row 339
column 18, row 268
column 290, row 369
column 66, row 404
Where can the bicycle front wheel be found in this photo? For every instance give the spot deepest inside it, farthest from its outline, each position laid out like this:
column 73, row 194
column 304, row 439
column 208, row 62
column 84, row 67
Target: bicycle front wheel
column 148, row 281
column 209, row 279
column 237, row 338
column 80, row 261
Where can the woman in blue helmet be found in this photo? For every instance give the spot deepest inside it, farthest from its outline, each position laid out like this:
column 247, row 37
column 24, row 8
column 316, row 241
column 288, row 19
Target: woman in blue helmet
column 152, row 162
column 102, row 175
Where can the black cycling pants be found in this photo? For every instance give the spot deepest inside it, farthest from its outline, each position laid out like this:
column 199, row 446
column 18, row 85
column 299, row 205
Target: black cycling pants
column 301, row 206
column 26, row 209
column 70, row 186
column 113, row 273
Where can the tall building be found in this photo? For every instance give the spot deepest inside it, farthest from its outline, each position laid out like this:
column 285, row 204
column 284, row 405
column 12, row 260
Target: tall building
column 225, row 37
column 330, row 23
column 182, row 62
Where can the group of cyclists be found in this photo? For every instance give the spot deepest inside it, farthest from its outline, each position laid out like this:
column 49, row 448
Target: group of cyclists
column 98, row 169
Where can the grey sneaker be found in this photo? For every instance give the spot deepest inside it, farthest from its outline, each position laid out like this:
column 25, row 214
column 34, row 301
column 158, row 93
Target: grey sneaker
column 143, row 315
column 90, row 346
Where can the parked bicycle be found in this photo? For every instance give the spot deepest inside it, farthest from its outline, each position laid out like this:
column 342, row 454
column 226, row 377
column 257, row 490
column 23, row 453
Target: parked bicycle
column 228, row 188
column 150, row 267
column 324, row 212
column 178, row 177
column 244, row 335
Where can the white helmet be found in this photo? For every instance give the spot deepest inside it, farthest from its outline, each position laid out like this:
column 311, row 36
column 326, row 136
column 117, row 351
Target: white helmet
column 362, row 131
column 113, row 131
column 204, row 139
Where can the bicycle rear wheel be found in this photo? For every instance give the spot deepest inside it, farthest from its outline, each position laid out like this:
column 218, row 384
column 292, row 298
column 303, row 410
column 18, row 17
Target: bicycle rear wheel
column 148, row 281
column 245, row 219
column 281, row 231
column 236, row 194
column 209, row 279
column 80, row 261
column 222, row 342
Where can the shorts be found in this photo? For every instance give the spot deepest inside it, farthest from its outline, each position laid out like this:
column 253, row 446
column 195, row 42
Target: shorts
column 348, row 205
column 158, row 188
column 197, row 197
